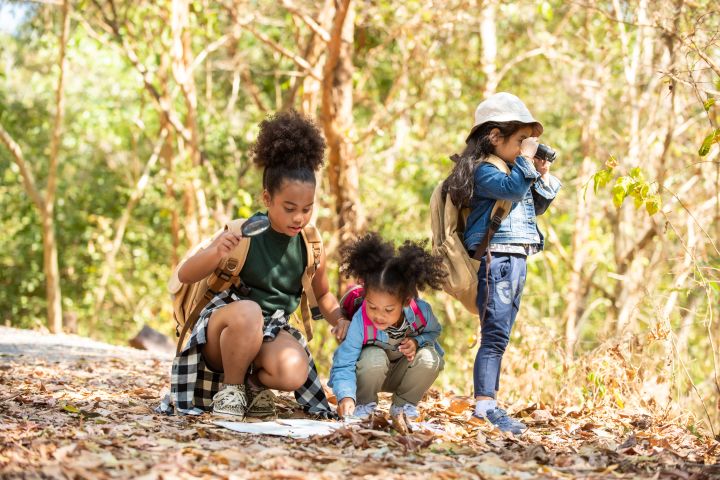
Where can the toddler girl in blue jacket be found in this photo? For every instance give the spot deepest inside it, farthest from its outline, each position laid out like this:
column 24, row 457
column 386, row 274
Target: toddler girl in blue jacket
column 391, row 344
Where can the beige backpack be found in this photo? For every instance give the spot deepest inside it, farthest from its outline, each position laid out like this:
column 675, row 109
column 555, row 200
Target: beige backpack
column 189, row 299
column 448, row 228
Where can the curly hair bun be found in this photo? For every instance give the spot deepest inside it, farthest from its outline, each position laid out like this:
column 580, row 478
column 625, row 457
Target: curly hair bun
column 366, row 256
column 418, row 267
column 288, row 140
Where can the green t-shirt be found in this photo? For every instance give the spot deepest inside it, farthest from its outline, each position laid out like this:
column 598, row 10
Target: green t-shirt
column 273, row 271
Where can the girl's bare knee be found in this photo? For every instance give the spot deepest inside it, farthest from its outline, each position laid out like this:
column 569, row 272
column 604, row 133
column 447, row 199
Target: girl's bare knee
column 294, row 371
column 245, row 316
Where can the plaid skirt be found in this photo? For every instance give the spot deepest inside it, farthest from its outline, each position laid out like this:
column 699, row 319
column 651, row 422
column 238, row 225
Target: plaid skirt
column 193, row 384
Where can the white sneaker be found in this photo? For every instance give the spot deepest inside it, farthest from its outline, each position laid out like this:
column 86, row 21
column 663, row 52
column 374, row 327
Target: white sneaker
column 364, row 410
column 410, row 410
column 231, row 400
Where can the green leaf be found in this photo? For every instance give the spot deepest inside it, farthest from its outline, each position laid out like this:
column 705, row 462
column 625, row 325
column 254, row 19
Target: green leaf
column 714, row 137
column 619, row 193
column 636, row 174
column 653, row 204
column 602, row 178
column 638, row 201
column 709, row 103
column 71, row 409
column 546, row 11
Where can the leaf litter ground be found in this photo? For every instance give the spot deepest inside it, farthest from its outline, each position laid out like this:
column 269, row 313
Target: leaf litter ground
column 74, row 408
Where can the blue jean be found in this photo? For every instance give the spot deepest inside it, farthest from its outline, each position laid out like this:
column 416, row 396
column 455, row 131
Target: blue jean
column 505, row 287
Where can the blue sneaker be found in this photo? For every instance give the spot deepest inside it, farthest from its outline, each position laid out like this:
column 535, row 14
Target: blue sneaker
column 500, row 418
column 364, row 410
column 410, row 411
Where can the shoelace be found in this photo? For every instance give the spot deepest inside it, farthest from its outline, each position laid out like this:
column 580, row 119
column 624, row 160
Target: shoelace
column 230, row 396
column 264, row 399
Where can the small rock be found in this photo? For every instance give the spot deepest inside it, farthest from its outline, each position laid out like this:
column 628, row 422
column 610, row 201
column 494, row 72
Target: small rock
column 542, row 416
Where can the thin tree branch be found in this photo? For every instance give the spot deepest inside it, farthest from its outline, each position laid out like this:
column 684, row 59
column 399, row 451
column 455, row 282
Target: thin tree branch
column 109, row 265
column 25, row 172
column 314, row 26
column 299, row 61
column 145, row 74
column 211, row 48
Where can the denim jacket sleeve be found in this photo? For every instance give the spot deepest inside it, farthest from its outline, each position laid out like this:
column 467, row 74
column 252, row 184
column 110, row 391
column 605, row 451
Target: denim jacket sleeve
column 342, row 374
column 432, row 329
column 492, row 183
column 544, row 193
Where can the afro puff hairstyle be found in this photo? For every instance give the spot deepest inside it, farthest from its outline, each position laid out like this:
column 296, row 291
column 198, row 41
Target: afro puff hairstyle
column 402, row 273
column 289, row 146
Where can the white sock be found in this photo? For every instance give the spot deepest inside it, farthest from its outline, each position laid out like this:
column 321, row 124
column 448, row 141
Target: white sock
column 482, row 406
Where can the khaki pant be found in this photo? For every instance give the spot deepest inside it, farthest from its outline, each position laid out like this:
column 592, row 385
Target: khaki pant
column 380, row 370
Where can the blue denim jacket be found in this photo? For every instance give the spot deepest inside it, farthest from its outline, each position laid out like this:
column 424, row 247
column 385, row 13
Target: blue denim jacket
column 342, row 375
column 530, row 195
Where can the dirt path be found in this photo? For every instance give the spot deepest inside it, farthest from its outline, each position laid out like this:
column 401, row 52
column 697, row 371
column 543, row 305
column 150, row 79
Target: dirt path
column 74, row 408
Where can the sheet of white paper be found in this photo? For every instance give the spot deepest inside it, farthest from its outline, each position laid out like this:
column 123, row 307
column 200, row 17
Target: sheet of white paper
column 292, row 427
column 428, row 426
column 301, row 428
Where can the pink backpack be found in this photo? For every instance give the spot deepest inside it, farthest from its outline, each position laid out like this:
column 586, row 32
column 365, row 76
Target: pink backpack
column 354, row 299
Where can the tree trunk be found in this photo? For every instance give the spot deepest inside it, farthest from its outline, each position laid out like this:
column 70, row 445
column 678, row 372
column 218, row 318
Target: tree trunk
column 50, row 252
column 488, row 39
column 52, row 275
column 316, row 46
column 337, row 121
column 182, row 71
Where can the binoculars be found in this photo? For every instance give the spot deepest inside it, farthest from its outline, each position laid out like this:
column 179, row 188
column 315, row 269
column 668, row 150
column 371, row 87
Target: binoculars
column 530, row 148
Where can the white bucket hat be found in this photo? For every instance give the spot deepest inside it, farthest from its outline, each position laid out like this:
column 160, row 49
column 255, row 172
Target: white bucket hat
column 504, row 107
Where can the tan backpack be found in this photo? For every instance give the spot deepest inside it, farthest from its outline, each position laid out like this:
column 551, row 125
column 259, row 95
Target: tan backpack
column 448, row 228
column 189, row 299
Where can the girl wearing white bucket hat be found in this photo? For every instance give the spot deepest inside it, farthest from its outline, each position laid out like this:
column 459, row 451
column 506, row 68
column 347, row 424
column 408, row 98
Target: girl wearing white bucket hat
column 502, row 132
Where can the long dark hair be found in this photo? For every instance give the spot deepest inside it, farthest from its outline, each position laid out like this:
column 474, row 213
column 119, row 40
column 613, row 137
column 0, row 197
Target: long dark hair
column 401, row 273
column 289, row 146
column 459, row 184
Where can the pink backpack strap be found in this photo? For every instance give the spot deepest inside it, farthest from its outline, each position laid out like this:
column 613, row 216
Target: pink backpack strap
column 418, row 315
column 351, row 300
column 369, row 330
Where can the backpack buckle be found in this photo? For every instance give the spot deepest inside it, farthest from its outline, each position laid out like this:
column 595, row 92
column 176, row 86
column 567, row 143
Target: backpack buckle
column 231, row 265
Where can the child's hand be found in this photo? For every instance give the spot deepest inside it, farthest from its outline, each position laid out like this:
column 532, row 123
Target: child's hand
column 542, row 167
column 340, row 329
column 224, row 243
column 346, row 407
column 408, row 347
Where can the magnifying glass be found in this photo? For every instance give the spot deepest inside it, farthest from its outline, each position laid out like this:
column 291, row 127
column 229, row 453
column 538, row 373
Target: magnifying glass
column 254, row 226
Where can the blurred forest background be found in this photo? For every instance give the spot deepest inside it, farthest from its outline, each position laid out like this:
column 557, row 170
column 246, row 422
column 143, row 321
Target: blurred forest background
column 125, row 127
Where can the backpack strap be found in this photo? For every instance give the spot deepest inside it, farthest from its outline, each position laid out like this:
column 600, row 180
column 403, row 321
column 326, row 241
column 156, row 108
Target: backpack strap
column 418, row 315
column 351, row 300
column 500, row 210
column 227, row 273
column 308, row 303
column 369, row 330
